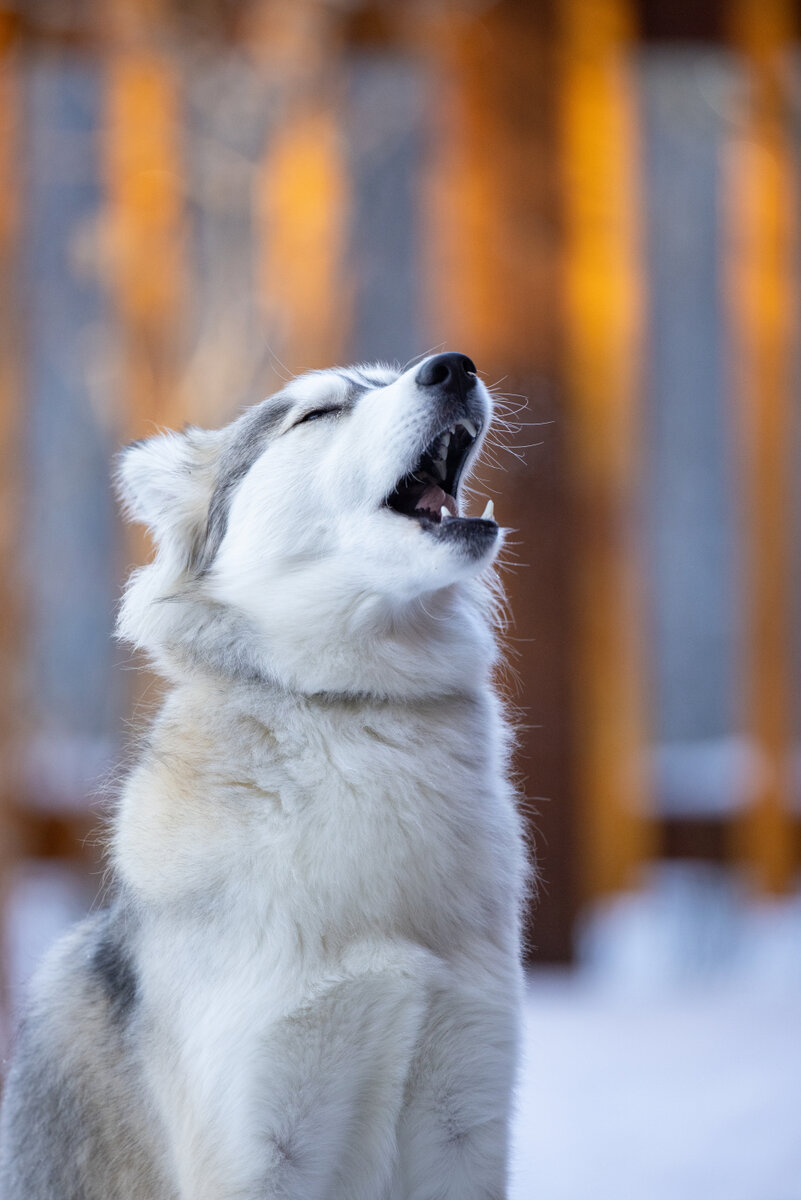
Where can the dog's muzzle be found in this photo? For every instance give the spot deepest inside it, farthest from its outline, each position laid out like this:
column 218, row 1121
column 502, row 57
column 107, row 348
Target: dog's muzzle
column 428, row 492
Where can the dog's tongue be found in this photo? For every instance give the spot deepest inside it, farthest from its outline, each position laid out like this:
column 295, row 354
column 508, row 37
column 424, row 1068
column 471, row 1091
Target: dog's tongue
column 433, row 498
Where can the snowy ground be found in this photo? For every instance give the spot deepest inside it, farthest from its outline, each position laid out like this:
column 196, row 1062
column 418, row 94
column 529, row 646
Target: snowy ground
column 693, row 1096
column 667, row 1066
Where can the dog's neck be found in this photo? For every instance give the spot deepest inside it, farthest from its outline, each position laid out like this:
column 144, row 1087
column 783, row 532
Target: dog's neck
column 261, row 701
column 442, row 646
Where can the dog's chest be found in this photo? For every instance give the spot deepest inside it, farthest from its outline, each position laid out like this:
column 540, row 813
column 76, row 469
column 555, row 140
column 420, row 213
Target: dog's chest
column 324, row 827
column 374, row 821
column 276, row 856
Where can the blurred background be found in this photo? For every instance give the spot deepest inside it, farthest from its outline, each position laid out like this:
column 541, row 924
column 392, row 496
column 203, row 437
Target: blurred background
column 597, row 200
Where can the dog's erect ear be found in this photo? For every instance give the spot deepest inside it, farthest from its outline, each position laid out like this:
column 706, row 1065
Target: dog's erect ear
column 167, row 481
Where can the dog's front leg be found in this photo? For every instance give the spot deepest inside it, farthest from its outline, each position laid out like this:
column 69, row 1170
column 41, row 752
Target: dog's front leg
column 454, row 1130
column 309, row 1109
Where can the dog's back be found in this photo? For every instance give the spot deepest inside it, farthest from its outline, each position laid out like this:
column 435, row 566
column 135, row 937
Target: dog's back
column 74, row 1125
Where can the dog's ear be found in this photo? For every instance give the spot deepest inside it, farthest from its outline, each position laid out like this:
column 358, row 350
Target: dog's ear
column 166, row 482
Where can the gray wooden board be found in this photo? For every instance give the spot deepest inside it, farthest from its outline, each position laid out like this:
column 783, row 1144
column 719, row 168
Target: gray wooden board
column 69, row 519
column 689, row 524
column 384, row 114
column 230, row 107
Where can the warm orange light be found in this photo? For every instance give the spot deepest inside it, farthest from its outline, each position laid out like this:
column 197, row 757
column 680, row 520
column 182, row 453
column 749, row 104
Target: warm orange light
column 302, row 209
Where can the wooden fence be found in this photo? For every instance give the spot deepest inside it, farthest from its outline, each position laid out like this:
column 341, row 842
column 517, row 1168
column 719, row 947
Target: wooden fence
column 270, row 188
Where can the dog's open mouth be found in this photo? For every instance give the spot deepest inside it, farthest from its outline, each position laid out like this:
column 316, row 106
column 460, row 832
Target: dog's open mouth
column 428, row 492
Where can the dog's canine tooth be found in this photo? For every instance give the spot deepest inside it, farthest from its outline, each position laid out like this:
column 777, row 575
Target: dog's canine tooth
column 443, row 512
column 489, row 512
column 469, row 426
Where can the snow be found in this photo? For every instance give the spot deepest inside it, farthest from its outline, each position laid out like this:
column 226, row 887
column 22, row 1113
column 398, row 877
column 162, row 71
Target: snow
column 694, row 1095
column 668, row 1065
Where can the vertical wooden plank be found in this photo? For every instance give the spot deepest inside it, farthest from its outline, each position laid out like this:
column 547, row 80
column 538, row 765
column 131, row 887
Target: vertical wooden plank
column 762, row 219
column 491, row 222
column 302, row 216
column 689, row 517
column 230, row 105
column 489, row 276
column 145, row 209
column 69, row 516
column 385, row 138
column 301, row 194
column 465, row 233
column 11, row 601
column 603, row 316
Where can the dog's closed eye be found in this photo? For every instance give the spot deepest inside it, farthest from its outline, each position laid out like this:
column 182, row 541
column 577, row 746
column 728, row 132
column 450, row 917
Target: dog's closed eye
column 315, row 413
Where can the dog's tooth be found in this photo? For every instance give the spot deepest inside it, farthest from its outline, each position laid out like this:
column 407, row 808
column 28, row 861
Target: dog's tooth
column 470, row 427
column 443, row 512
column 445, row 441
column 489, row 512
column 452, row 429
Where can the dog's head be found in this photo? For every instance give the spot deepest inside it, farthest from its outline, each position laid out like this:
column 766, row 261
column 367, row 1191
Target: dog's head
column 319, row 539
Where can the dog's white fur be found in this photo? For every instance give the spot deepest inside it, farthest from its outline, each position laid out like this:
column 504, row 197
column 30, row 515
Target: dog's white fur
column 319, row 857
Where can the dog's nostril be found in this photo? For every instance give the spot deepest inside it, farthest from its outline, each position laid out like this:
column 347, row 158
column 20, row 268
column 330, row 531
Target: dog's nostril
column 434, row 372
column 454, row 370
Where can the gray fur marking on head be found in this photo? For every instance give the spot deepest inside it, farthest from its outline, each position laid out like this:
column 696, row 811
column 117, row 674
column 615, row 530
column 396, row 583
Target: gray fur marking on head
column 252, row 430
column 237, row 459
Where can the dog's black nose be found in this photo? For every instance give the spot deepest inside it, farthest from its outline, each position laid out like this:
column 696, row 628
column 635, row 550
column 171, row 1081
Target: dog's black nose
column 453, row 372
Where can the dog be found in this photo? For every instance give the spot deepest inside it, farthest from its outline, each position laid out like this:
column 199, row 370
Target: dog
column 307, row 981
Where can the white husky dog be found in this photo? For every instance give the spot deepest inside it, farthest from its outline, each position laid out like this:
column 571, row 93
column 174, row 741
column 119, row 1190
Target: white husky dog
column 308, row 983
